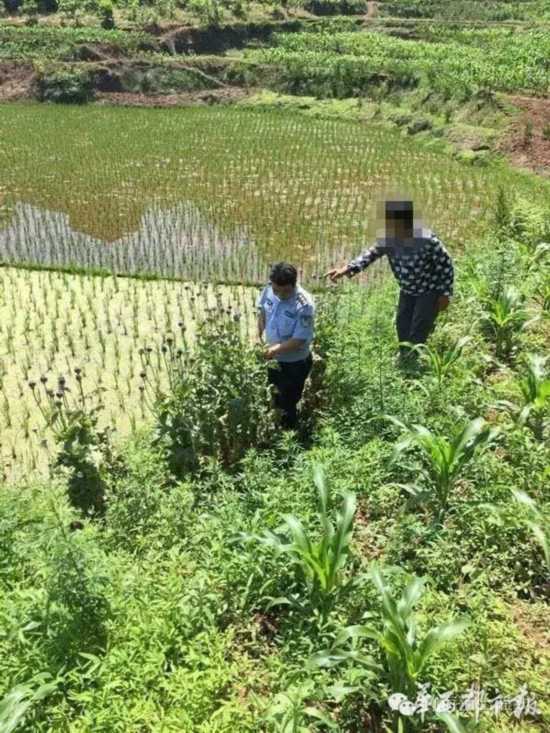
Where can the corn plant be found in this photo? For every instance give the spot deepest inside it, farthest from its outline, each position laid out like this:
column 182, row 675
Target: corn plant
column 320, row 562
column 405, row 655
column 537, row 522
column 505, row 317
column 441, row 361
column 534, row 386
column 542, row 296
column 18, row 702
column 444, row 459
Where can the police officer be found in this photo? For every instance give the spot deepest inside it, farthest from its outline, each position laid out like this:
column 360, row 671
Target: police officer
column 286, row 313
column 421, row 265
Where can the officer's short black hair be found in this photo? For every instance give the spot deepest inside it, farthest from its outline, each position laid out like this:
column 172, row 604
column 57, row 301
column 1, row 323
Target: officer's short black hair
column 282, row 273
column 402, row 210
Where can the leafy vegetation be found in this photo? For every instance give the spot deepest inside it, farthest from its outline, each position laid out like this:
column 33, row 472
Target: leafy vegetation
column 456, row 62
column 57, row 43
column 217, row 403
column 321, row 563
column 444, row 459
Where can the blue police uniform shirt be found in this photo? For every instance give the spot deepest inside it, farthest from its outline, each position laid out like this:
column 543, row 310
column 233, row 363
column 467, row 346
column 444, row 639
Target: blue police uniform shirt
column 286, row 319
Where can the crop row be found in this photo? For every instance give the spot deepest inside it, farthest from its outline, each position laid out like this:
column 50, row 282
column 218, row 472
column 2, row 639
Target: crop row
column 478, row 59
column 53, row 323
column 217, row 194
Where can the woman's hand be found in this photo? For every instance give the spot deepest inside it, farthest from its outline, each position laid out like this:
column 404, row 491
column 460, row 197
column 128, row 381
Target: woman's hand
column 336, row 273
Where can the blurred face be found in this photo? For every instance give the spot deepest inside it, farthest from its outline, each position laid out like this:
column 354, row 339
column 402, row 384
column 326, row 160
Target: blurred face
column 283, row 292
column 397, row 228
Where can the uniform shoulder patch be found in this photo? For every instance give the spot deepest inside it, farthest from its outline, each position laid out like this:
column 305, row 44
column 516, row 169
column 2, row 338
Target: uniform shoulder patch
column 303, row 299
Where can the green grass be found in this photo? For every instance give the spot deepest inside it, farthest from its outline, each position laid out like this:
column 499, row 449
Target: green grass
column 467, row 10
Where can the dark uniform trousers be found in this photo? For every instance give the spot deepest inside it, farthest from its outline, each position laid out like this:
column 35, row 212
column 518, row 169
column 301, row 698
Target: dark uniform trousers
column 416, row 316
column 289, row 380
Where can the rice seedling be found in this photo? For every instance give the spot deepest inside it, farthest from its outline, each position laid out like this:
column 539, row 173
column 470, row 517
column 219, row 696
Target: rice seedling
column 43, row 337
column 220, row 192
column 443, row 459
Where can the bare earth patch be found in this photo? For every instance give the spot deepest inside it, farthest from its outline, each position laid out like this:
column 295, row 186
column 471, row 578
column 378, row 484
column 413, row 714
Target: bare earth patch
column 372, row 11
column 525, row 143
column 15, row 81
column 533, row 624
column 227, row 95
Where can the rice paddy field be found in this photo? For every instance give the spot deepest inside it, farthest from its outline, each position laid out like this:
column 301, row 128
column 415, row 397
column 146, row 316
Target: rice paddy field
column 236, row 189
column 54, row 323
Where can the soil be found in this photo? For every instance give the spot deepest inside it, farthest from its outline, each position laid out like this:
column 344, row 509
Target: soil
column 372, row 10
column 190, row 39
column 227, row 95
column 15, row 81
column 526, row 151
column 533, row 626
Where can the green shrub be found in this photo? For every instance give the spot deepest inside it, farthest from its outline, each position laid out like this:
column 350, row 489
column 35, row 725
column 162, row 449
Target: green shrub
column 209, row 12
column 218, row 403
column 82, row 448
column 529, row 223
column 105, row 8
column 335, row 7
column 65, row 87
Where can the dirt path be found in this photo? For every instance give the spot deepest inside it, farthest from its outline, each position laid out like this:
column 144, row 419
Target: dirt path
column 527, row 142
column 227, row 95
column 372, row 10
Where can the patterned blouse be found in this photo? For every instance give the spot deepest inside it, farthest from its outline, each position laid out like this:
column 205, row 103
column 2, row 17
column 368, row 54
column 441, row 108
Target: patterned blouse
column 424, row 266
